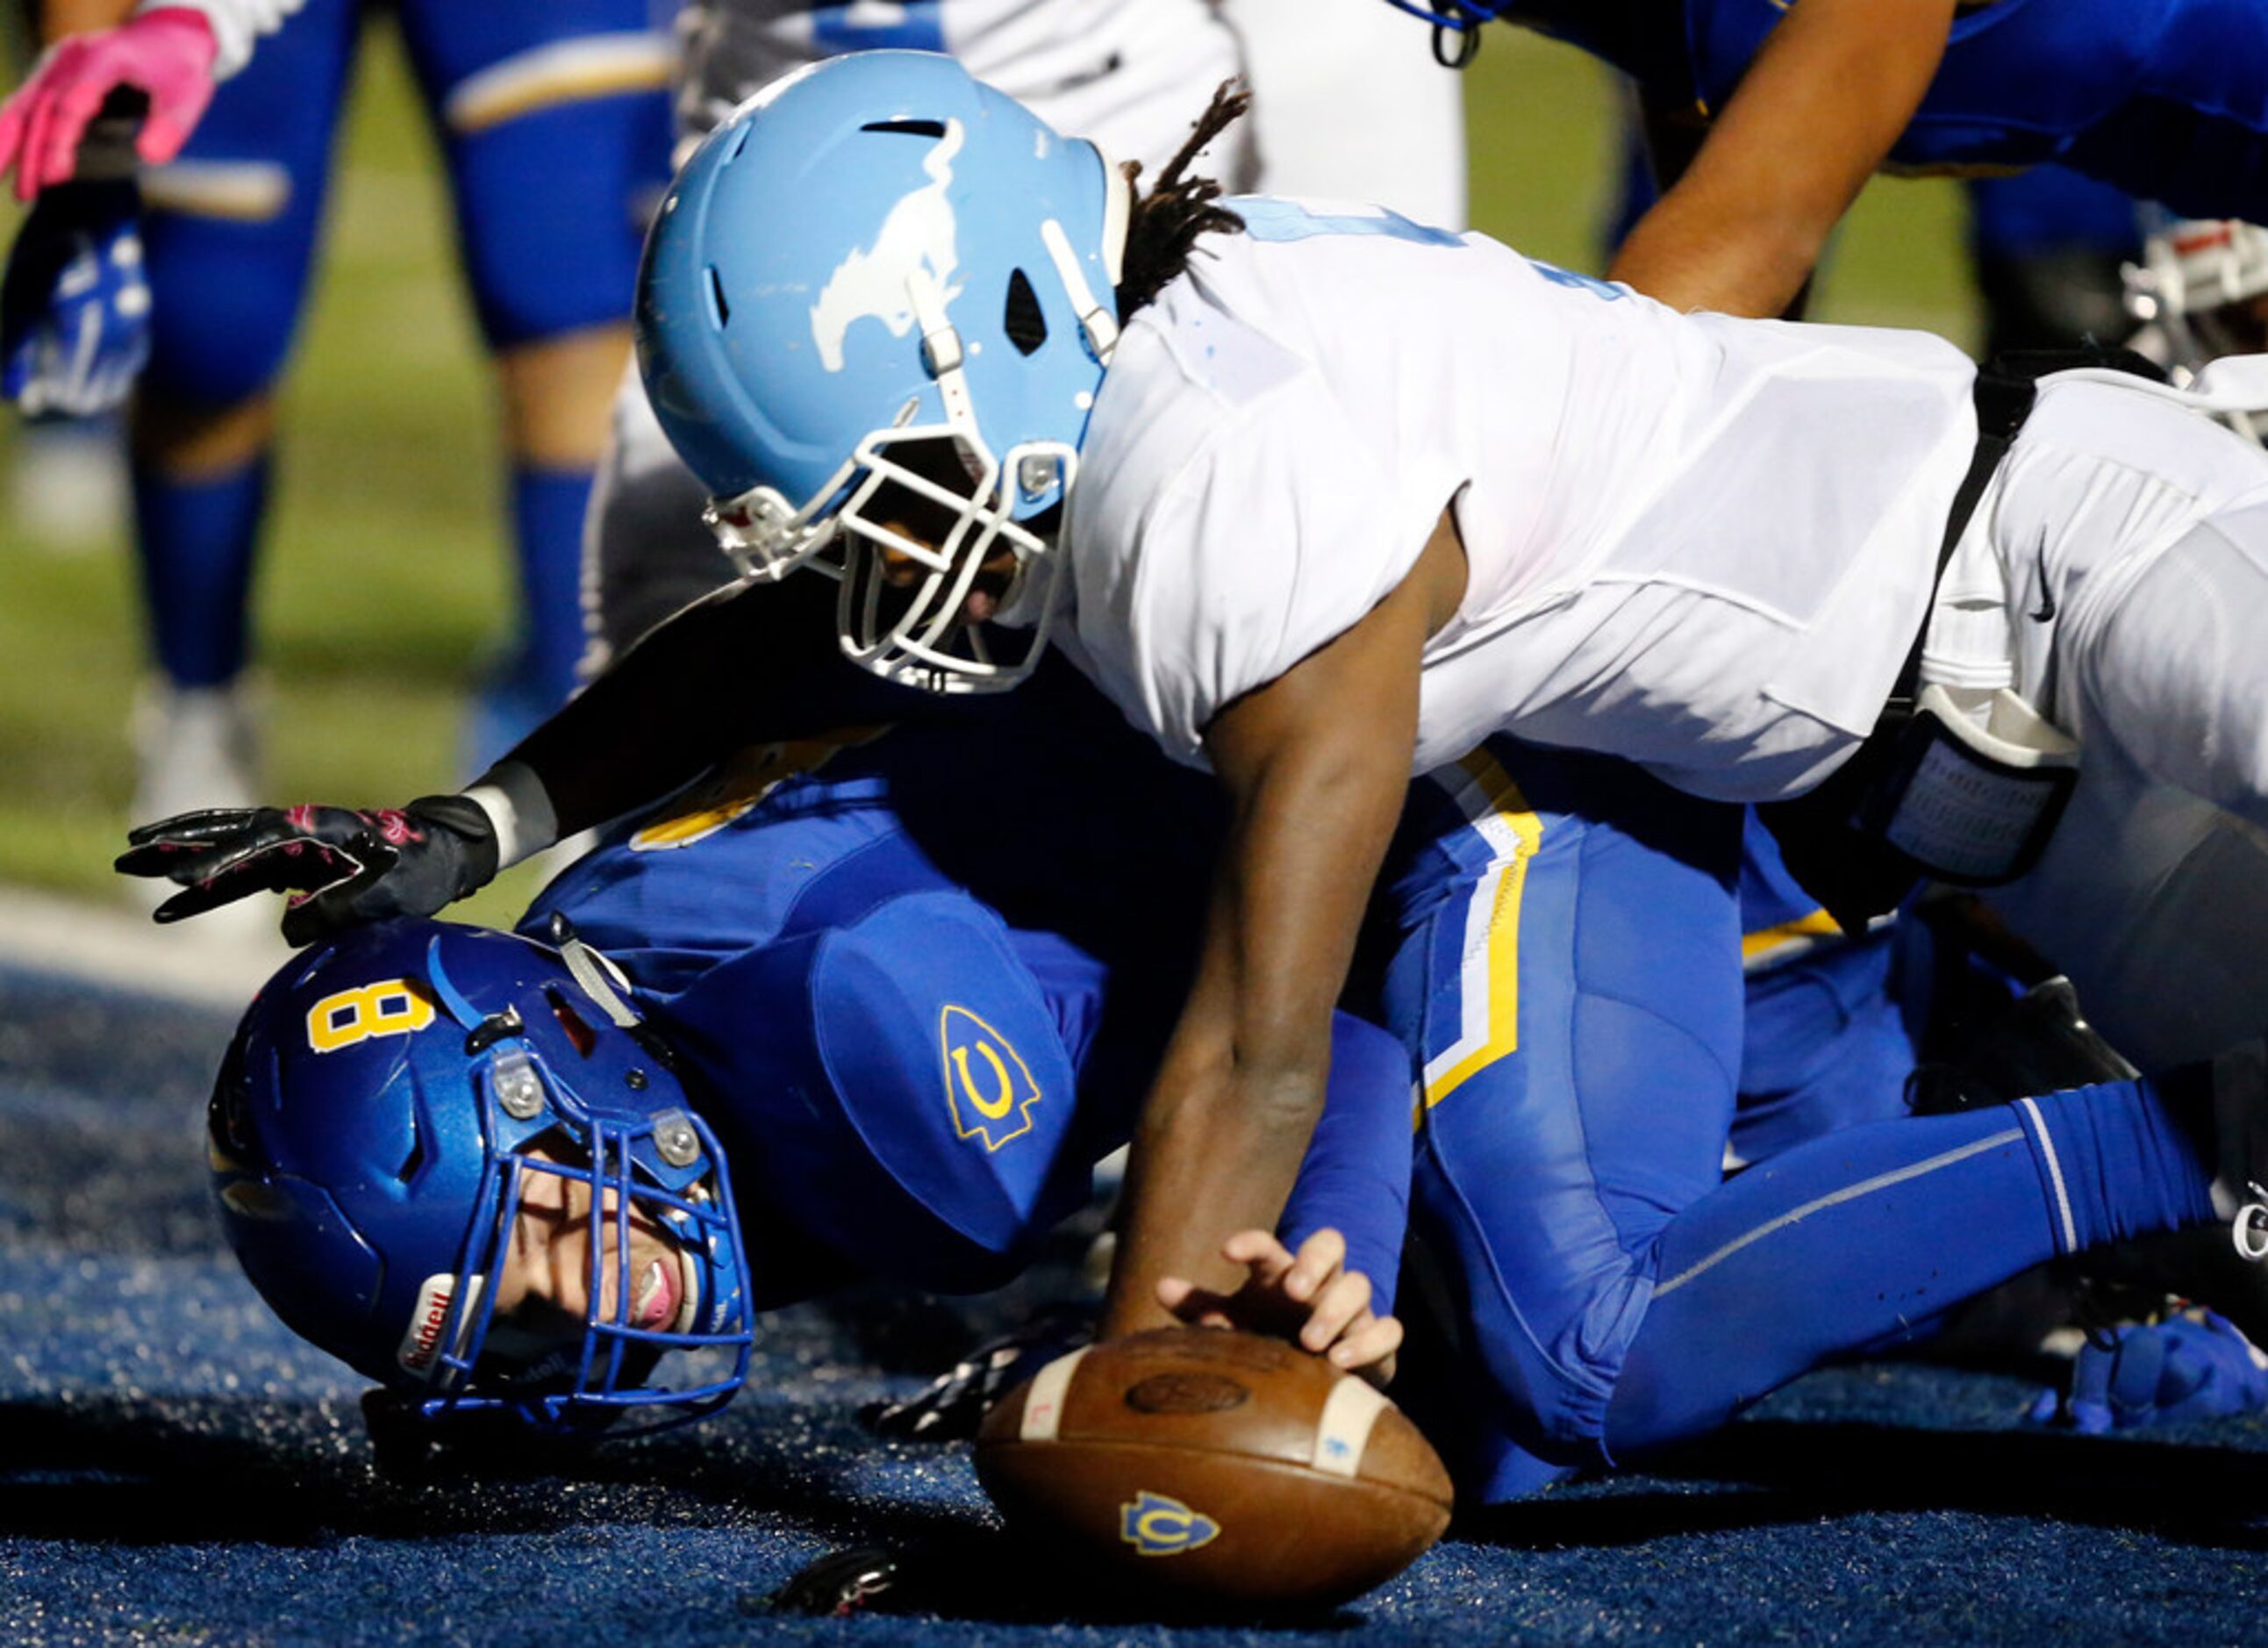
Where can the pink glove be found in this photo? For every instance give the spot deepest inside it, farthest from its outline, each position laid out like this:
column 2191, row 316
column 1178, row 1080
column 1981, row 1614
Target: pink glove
column 167, row 53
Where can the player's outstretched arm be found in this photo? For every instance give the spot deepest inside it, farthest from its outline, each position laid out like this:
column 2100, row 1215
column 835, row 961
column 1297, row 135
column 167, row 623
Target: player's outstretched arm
column 1315, row 765
column 747, row 663
column 341, row 867
column 1817, row 111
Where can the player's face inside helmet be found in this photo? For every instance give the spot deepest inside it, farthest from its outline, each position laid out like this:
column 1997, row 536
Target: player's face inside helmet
column 460, row 1162
column 558, row 1262
column 913, row 534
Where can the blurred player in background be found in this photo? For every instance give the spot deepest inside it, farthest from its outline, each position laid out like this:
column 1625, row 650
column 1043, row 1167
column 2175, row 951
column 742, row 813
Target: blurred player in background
column 552, row 121
column 2198, row 292
column 1766, row 119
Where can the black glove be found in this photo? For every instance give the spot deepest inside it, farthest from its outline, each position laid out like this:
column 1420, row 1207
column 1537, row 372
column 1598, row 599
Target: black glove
column 341, row 867
column 955, row 1402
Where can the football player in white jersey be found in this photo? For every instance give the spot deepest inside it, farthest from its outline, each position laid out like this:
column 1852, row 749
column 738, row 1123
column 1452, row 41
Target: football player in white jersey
column 1116, row 72
column 1384, row 121
column 1320, row 498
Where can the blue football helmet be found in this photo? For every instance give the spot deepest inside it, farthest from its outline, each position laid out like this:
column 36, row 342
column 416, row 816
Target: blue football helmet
column 883, row 291
column 1457, row 15
column 386, row 1103
column 1455, row 23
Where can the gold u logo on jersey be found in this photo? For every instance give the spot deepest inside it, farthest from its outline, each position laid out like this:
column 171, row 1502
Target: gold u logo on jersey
column 988, row 1086
column 392, row 1006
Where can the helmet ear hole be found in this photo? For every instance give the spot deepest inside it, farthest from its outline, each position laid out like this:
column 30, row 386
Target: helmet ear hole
column 720, row 311
column 578, row 1028
column 1026, row 326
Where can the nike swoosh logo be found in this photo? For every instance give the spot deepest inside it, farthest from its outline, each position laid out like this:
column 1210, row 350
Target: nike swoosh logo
column 2046, row 610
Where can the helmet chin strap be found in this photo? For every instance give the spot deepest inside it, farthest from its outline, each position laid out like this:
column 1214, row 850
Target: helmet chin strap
column 592, row 972
column 1100, row 325
column 940, row 345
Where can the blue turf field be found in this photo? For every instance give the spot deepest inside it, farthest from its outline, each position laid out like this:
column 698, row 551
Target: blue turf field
column 175, row 1468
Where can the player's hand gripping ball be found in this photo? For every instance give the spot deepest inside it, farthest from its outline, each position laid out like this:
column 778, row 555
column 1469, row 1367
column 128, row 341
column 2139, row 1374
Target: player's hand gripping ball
column 1215, row 1468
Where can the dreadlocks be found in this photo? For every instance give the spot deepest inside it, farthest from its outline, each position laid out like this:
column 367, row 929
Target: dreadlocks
column 1166, row 220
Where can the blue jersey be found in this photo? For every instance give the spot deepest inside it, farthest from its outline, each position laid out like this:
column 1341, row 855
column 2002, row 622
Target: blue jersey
column 924, row 979
column 2166, row 98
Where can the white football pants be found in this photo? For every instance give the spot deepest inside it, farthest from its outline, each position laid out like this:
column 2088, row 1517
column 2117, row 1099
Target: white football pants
column 2130, row 532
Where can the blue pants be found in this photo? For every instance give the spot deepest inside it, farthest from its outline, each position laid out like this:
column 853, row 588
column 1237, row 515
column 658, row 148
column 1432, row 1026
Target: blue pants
column 552, row 123
column 1570, row 976
column 1567, row 933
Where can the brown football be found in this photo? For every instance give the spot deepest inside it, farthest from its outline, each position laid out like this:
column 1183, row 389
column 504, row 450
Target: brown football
column 1215, row 1466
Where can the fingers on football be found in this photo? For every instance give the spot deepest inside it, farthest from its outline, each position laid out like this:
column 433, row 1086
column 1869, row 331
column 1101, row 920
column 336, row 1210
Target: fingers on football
column 1368, row 1349
column 1317, row 1263
column 1344, row 1300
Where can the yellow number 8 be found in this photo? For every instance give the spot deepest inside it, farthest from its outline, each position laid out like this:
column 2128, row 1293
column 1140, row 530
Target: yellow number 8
column 392, row 1006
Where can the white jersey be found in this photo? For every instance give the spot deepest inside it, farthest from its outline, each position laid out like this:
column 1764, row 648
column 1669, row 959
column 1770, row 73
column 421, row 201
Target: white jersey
column 1702, row 543
column 1131, row 75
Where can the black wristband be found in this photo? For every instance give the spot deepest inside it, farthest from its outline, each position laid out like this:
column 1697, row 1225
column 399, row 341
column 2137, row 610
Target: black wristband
column 467, row 819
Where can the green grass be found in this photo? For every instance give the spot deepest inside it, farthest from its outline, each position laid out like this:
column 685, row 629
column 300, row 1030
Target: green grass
column 385, row 568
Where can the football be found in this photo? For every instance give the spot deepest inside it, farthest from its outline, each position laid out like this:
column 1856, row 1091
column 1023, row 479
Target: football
column 1215, row 1468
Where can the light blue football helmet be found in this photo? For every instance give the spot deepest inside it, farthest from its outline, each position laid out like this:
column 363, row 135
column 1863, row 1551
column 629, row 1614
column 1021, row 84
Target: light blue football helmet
column 876, row 263
column 385, row 1103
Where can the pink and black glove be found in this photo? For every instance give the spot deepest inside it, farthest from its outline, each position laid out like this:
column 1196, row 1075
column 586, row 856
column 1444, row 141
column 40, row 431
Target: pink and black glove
column 341, row 867
column 168, row 55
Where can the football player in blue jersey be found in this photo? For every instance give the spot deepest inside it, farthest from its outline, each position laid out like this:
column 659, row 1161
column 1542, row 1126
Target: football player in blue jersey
column 777, row 1033
column 882, row 997
column 1766, row 119
column 553, row 121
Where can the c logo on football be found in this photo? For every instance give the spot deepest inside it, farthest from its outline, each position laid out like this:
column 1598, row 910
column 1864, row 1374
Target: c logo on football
column 988, row 1086
column 392, row 1006
column 1156, row 1525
